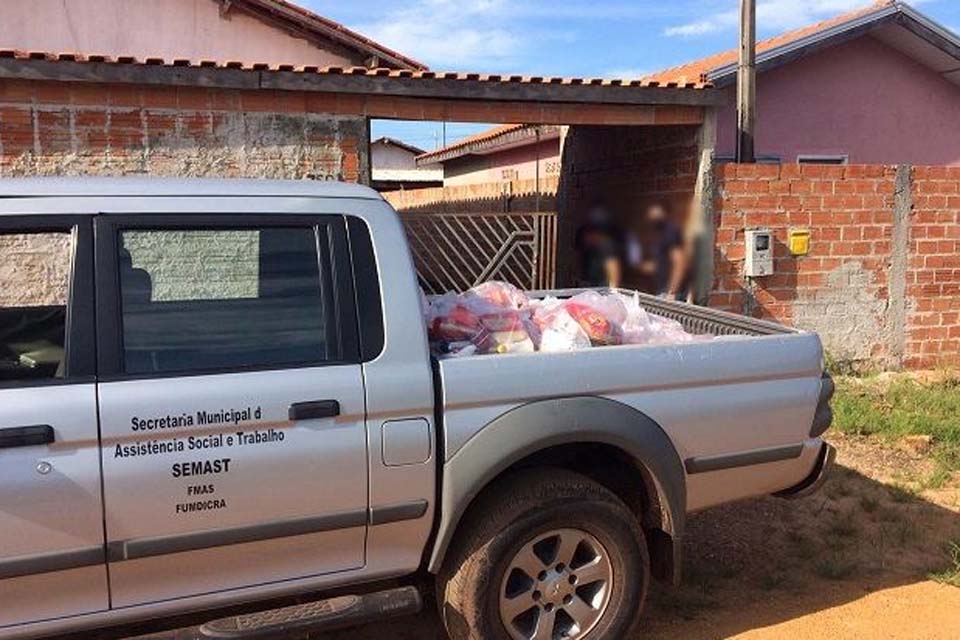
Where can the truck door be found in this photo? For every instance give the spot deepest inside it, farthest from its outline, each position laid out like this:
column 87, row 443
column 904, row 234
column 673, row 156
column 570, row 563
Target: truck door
column 51, row 519
column 231, row 400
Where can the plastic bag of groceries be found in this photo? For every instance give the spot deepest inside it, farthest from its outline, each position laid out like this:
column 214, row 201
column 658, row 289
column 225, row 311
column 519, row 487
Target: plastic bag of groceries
column 502, row 294
column 496, row 317
column 556, row 329
column 462, row 324
column 600, row 316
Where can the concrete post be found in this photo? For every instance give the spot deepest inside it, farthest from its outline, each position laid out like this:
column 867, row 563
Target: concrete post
column 899, row 259
column 703, row 222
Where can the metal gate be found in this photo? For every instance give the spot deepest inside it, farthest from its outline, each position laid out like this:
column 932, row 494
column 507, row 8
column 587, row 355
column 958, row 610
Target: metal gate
column 456, row 251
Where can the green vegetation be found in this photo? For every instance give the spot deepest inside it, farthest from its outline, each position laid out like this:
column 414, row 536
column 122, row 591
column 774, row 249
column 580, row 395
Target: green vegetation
column 950, row 575
column 836, row 566
column 897, row 407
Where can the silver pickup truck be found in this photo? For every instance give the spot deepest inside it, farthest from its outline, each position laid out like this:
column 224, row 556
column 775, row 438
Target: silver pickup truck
column 221, row 392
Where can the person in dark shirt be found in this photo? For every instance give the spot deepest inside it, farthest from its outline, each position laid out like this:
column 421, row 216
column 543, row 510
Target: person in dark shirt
column 668, row 259
column 599, row 244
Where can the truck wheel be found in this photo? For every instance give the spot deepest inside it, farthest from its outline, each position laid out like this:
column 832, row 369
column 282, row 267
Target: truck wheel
column 545, row 554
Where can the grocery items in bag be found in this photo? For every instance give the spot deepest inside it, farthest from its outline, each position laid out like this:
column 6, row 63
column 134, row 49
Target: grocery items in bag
column 496, row 317
column 502, row 294
column 456, row 321
column 563, row 333
column 601, row 317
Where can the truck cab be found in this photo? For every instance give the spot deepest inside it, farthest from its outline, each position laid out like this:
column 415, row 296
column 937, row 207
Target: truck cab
column 200, row 395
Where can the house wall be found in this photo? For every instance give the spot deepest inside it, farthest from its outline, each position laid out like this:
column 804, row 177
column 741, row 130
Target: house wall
column 390, row 156
column 170, row 29
column 518, row 163
column 862, row 99
column 881, row 284
column 49, row 128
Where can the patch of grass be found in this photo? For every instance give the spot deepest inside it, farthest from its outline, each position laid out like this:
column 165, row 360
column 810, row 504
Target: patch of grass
column 898, row 407
column 803, row 546
column 836, row 566
column 869, row 504
column 950, row 575
column 905, row 531
column 936, row 480
column 902, row 493
column 837, row 488
column 843, row 526
column 774, row 580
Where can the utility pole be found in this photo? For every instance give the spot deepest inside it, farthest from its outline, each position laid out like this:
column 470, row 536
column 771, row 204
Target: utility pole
column 747, row 82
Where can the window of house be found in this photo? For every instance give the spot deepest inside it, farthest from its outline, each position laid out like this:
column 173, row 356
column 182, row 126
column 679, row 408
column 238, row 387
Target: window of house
column 199, row 300
column 822, row 159
column 34, row 287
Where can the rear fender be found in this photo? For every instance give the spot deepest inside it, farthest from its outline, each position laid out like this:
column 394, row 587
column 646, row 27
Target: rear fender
column 533, row 427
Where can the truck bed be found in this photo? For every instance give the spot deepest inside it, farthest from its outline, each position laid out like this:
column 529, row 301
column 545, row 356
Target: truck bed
column 755, row 387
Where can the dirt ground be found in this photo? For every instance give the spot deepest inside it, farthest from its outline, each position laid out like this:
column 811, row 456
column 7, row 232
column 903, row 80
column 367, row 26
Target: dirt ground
column 849, row 563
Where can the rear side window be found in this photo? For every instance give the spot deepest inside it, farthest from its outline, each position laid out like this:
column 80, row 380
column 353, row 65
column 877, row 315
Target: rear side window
column 225, row 299
column 34, row 289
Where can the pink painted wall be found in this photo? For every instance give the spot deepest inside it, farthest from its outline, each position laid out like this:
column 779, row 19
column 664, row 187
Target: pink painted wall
column 861, row 99
column 518, row 163
column 169, row 29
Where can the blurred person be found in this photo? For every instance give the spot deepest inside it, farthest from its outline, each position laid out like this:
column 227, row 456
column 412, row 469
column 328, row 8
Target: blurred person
column 669, row 261
column 600, row 246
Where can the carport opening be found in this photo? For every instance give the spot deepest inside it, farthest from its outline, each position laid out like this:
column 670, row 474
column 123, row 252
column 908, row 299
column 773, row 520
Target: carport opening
column 510, row 201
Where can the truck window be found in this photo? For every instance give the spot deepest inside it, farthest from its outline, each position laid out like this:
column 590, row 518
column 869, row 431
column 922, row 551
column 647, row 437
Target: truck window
column 225, row 299
column 34, row 286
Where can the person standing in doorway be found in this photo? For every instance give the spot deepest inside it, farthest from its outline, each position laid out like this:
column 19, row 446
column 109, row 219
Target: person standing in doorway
column 668, row 263
column 599, row 245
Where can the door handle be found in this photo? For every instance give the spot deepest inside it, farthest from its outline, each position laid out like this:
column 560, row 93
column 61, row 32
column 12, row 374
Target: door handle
column 314, row 409
column 26, row 436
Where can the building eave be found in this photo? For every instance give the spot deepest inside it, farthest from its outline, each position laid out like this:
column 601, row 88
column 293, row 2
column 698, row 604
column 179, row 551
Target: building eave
column 899, row 14
column 71, row 67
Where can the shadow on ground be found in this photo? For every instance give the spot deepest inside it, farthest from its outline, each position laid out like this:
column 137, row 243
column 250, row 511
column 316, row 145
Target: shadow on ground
column 866, row 543
column 763, row 562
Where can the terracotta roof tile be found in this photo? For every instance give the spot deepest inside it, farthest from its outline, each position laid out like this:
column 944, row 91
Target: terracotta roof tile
column 701, row 69
column 314, row 22
column 488, row 136
column 73, row 57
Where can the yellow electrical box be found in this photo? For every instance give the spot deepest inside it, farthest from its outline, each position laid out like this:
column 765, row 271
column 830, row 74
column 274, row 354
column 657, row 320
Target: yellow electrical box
column 799, row 242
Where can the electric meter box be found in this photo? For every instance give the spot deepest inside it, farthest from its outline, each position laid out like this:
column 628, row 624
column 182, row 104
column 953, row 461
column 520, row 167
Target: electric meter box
column 759, row 255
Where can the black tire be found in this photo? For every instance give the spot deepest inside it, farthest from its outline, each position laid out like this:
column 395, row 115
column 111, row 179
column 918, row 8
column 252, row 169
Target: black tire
column 514, row 512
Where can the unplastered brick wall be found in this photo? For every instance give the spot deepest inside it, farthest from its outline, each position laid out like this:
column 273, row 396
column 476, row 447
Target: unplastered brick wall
column 49, row 128
column 881, row 284
column 933, row 269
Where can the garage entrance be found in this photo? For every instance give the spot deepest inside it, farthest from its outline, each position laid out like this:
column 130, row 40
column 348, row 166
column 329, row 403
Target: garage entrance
column 622, row 142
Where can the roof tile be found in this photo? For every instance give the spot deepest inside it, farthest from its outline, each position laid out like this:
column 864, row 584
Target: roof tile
column 701, row 69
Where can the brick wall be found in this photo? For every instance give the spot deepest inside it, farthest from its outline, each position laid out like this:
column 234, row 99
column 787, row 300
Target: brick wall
column 882, row 281
column 933, row 270
column 90, row 129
